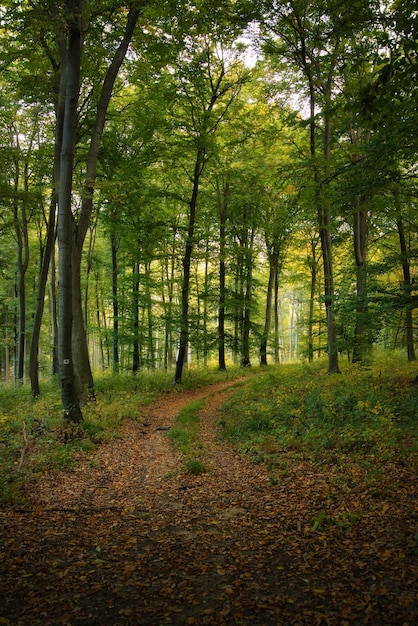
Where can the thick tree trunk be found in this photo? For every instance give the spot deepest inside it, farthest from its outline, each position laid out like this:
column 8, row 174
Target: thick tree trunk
column 69, row 394
column 82, row 369
column 85, row 381
column 54, row 317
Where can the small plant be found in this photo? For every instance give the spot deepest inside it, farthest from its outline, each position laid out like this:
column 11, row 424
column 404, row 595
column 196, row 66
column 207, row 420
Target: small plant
column 320, row 520
column 194, row 467
column 185, row 436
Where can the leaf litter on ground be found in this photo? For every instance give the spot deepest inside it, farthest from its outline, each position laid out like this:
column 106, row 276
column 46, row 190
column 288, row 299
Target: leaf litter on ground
column 133, row 539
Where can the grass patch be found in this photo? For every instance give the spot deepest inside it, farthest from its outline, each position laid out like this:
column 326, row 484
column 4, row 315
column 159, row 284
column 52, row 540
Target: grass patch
column 363, row 411
column 185, row 436
column 54, row 445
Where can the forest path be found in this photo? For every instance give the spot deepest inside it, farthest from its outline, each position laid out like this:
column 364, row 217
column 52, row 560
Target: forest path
column 128, row 539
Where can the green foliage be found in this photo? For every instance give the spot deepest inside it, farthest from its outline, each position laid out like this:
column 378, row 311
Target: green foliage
column 54, row 445
column 365, row 411
column 185, row 432
column 194, row 467
column 185, row 436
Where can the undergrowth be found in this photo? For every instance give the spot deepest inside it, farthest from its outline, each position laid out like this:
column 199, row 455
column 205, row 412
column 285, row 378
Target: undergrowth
column 299, row 408
column 185, row 436
column 34, row 437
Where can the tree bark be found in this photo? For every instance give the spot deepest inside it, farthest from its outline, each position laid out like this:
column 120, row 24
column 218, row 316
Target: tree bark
column 135, row 317
column 222, row 207
column 273, row 258
column 60, row 86
column 360, row 232
column 115, row 304
column 407, row 282
column 69, row 394
column 82, row 362
column 313, row 266
column 184, row 318
column 246, row 320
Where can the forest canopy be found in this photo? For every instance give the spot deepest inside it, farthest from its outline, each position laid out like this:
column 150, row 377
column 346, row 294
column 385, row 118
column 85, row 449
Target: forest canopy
column 204, row 183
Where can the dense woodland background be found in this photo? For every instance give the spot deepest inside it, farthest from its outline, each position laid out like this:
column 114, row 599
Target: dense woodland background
column 205, row 183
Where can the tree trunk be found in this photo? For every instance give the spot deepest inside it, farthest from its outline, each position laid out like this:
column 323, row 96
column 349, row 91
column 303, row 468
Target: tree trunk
column 184, row 318
column 22, row 237
column 273, row 258
column 82, row 368
column 135, row 317
column 54, row 317
column 60, row 85
column 115, row 304
column 99, row 320
column 324, row 224
column 85, row 378
column 313, row 266
column 70, row 398
column 360, row 231
column 150, row 324
column 205, row 308
column 246, row 320
column 222, row 207
column 407, row 282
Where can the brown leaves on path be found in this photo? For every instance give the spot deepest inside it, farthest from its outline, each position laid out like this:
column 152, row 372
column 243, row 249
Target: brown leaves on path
column 128, row 539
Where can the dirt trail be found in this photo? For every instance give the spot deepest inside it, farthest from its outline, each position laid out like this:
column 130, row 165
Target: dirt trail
column 129, row 540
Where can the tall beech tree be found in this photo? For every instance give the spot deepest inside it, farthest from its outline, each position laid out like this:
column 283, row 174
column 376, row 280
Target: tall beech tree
column 209, row 82
column 314, row 38
column 74, row 364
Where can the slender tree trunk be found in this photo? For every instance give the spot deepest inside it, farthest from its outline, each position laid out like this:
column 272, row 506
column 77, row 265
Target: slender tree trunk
column 205, row 308
column 60, row 85
column 135, row 317
column 22, row 237
column 22, row 265
column 313, row 266
column 360, row 231
column 89, row 265
column 407, row 282
column 222, row 196
column 115, row 304
column 273, row 258
column 184, row 319
column 70, row 397
column 276, row 320
column 324, row 224
column 246, row 321
column 150, row 320
column 99, row 320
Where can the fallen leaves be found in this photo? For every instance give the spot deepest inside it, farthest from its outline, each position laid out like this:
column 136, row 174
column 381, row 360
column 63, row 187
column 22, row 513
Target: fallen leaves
column 133, row 541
